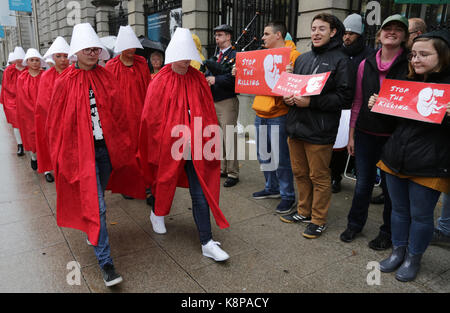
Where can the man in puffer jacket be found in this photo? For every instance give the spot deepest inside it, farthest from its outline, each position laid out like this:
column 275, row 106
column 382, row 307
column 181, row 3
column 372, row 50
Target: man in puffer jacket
column 312, row 122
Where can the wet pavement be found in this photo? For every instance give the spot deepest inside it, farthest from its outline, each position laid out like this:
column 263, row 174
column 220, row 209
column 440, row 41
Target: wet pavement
column 266, row 255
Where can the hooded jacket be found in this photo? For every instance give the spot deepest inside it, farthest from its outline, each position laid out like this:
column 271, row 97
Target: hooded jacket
column 318, row 123
column 418, row 148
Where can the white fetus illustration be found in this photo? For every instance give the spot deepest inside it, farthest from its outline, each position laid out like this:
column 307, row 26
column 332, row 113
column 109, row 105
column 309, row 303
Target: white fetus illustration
column 426, row 103
column 271, row 71
column 314, row 84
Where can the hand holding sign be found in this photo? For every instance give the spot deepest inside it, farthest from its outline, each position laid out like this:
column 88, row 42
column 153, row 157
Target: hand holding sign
column 418, row 101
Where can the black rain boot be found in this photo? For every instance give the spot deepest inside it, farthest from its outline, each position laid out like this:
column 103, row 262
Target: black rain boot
column 409, row 269
column 394, row 260
column 20, row 150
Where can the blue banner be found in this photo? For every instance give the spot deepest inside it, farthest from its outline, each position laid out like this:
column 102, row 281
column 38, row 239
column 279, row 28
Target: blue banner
column 20, row 5
column 2, row 32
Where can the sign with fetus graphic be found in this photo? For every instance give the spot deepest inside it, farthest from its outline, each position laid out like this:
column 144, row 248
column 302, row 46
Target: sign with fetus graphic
column 258, row 71
column 425, row 102
column 300, row 85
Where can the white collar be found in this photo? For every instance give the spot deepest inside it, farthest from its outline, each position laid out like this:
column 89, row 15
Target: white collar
column 224, row 50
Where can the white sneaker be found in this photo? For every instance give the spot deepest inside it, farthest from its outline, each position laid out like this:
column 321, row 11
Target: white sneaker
column 213, row 251
column 158, row 223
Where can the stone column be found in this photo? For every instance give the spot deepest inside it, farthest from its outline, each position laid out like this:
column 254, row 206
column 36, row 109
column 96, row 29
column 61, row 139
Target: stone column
column 308, row 9
column 195, row 17
column 136, row 18
column 104, row 7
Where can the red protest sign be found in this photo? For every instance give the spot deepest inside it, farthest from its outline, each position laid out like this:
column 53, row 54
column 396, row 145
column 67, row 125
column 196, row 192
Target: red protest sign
column 425, row 102
column 258, row 71
column 300, row 85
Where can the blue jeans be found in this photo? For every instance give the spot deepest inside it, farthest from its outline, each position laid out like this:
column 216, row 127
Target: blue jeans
column 103, row 170
column 444, row 220
column 412, row 213
column 367, row 154
column 273, row 155
column 200, row 207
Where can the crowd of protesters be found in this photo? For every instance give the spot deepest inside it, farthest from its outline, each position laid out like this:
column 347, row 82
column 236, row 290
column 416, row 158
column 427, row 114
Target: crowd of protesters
column 111, row 127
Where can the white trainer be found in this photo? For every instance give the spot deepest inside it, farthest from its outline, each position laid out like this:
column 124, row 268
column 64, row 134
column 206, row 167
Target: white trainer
column 158, row 223
column 213, row 251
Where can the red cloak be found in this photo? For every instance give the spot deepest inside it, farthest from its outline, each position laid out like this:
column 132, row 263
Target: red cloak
column 169, row 97
column 71, row 145
column 8, row 94
column 43, row 101
column 133, row 82
column 27, row 90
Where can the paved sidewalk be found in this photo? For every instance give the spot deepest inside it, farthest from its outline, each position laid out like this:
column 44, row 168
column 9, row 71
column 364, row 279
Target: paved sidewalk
column 266, row 254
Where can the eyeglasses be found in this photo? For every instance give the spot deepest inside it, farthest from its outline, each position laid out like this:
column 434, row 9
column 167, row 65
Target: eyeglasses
column 89, row 51
column 421, row 55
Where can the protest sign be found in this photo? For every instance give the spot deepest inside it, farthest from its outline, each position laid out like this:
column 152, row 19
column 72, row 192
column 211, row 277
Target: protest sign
column 425, row 102
column 300, row 85
column 258, row 71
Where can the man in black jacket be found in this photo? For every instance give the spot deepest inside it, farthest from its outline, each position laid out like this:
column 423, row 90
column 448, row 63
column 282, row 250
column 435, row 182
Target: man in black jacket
column 312, row 122
column 356, row 50
column 226, row 102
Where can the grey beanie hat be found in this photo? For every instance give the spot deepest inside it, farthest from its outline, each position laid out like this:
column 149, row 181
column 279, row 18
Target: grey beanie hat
column 353, row 23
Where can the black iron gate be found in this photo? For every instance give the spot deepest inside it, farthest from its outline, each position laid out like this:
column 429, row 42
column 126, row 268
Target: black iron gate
column 238, row 14
column 116, row 19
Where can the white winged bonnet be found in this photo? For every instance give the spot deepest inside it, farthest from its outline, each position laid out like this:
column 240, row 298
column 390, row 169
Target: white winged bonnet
column 84, row 36
column 182, row 47
column 126, row 39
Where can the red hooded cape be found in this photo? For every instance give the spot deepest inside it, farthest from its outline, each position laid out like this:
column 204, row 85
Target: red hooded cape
column 133, row 82
column 27, row 91
column 43, row 101
column 169, row 97
column 8, row 94
column 71, row 144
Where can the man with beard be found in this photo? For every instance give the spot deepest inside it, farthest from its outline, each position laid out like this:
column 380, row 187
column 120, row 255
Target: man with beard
column 356, row 50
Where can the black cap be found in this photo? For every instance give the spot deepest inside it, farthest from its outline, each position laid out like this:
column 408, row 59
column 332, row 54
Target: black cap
column 443, row 34
column 224, row 28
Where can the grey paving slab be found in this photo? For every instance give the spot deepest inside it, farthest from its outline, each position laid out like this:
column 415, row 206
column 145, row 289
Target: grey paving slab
column 150, row 270
column 40, row 270
column 29, row 235
column 19, row 210
column 248, row 272
column 125, row 237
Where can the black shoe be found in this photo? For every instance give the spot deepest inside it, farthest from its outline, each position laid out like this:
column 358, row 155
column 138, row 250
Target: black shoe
column 382, row 242
column 313, row 231
column 230, row 182
column 150, row 200
column 348, row 235
column 377, row 199
column 335, row 186
column 439, row 239
column 285, row 206
column 409, row 268
column 49, row 178
column 127, row 197
column 20, row 150
column 223, row 175
column 110, row 277
column 394, row 260
column 295, row 218
column 34, row 165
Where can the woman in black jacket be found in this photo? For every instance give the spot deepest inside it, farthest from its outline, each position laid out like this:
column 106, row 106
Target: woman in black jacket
column 416, row 160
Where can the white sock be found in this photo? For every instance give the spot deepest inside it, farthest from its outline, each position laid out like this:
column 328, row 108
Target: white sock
column 33, row 156
column 17, row 135
column 45, row 173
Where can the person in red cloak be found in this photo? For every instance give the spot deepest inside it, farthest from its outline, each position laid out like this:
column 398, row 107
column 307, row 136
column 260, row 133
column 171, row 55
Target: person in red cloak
column 58, row 53
column 179, row 102
column 8, row 95
column 90, row 145
column 133, row 74
column 27, row 90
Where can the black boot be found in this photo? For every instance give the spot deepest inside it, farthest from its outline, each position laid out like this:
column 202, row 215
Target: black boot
column 394, row 260
column 34, row 164
column 20, row 151
column 409, row 269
